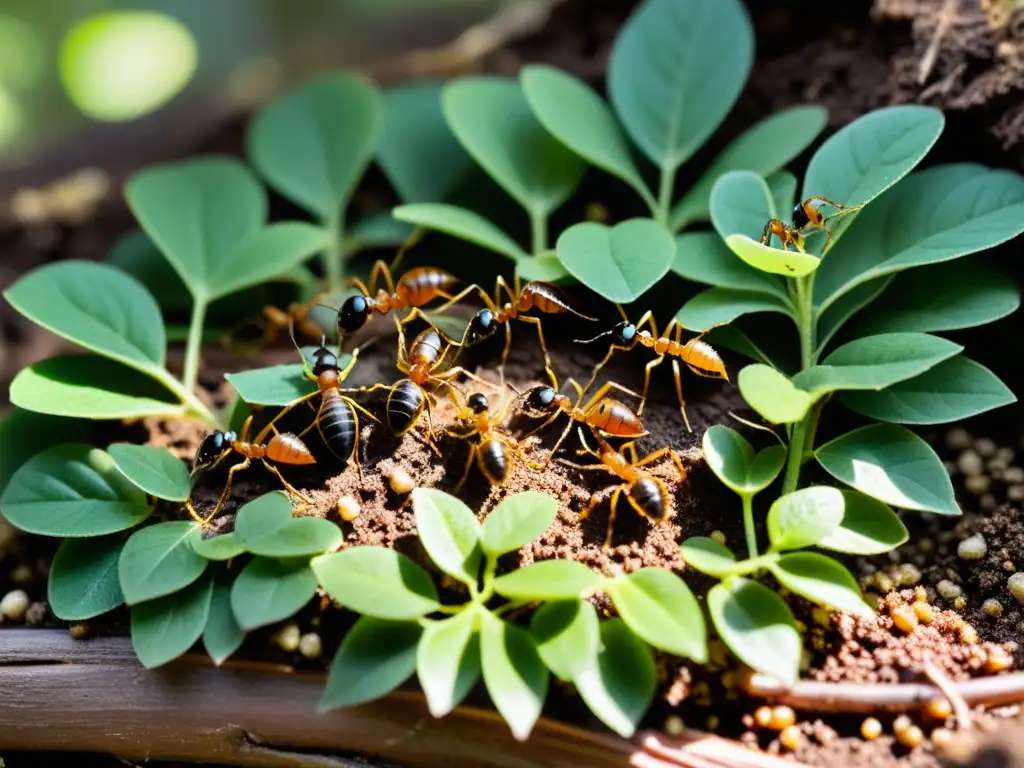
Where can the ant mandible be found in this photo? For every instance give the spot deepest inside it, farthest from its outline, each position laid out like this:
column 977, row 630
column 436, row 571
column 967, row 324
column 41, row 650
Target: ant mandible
column 805, row 215
column 494, row 451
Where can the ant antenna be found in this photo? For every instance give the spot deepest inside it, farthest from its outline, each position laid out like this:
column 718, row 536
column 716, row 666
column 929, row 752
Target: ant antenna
column 324, row 306
column 410, row 242
column 590, row 341
column 752, row 425
column 621, row 312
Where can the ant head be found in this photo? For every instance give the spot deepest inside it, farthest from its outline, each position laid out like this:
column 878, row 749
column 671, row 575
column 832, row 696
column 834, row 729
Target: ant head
column 800, row 219
column 324, row 360
column 478, row 402
column 214, row 446
column 540, row 399
column 624, row 334
column 354, row 313
column 482, row 325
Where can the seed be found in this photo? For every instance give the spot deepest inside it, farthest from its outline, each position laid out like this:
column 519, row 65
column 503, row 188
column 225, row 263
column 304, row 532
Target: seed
column 22, row 575
column 79, row 630
column 870, row 729
column 1015, row 492
column 288, row 637
column 1005, row 455
column 908, row 575
column 960, row 603
column 968, row 634
column 1016, row 586
column 821, row 616
column 977, row 484
column 920, row 594
column 674, row 725
column 884, row 582
column 905, row 619
column 1013, row 475
column 970, row 463
column 348, row 508
column 992, row 608
column 400, row 481
column 938, row 709
column 987, row 503
column 782, row 718
column 901, row 724
column 310, row 645
column 763, row 717
column 35, row 614
column 925, row 612
column 958, row 438
column 972, row 548
column 790, row 738
column 911, row 737
column 985, row 446
column 14, row 604
column 718, row 536
column 942, row 739
column 998, row 661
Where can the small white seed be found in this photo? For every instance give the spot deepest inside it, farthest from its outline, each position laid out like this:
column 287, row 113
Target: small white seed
column 674, row 725
column 14, row 604
column 1013, row 475
column 958, row 438
column 992, row 608
column 288, row 637
column 948, row 590
column 1016, row 586
column 972, row 548
column 977, row 484
column 311, row 646
column 400, row 481
column 348, row 508
column 970, row 463
column 985, row 446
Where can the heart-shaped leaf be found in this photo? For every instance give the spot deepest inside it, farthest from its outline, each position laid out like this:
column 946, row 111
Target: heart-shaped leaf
column 661, row 609
column 670, row 111
column 717, row 306
column 269, row 590
column 705, row 258
column 741, row 204
column 516, row 521
column 266, row 527
column 764, row 148
column 276, row 385
column 863, row 159
column 868, row 527
column 72, row 490
column 450, row 533
column 619, row 263
column 314, row 143
column 544, row 267
column 955, row 389
column 731, row 457
column 820, row 579
column 165, row 628
column 222, row 635
column 23, row 434
column 224, row 546
column 96, row 306
column 514, row 674
column 758, row 627
column 891, row 464
column 937, row 215
column 804, row 517
column 461, row 223
column 377, row 581
column 448, row 661
column 375, row 657
column 90, row 387
column 83, row 578
column 876, row 362
column 570, row 110
column 619, row 687
column 773, row 395
column 492, row 120
column 773, row 260
column 708, row 556
column 418, row 152
column 549, row 580
column 567, row 635
column 155, row 470
column 158, row 560
column 782, row 186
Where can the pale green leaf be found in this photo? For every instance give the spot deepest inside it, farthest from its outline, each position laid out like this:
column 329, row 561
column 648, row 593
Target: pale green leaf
column 461, row 223
column 868, row 527
column 820, row 579
column 567, row 635
column 773, row 395
column 708, row 556
column 516, row 521
column 804, row 517
column 659, row 607
column 449, row 532
column 705, row 258
column 514, row 674
column 448, row 661
column 717, row 306
column 269, row 590
column 377, row 581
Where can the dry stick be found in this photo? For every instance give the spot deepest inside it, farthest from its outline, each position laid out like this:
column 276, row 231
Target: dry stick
column 872, row 697
column 948, row 688
column 946, row 17
column 695, row 749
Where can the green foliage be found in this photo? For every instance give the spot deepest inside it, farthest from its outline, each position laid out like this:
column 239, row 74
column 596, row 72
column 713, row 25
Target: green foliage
column 803, row 518
column 378, row 582
column 164, row 628
column 83, row 578
column 773, row 395
column 450, row 533
column 222, row 635
column 732, row 458
column 265, row 527
column 516, row 521
column 568, row 634
column 375, row 657
column 448, row 661
column 269, row 590
column 154, row 470
column 274, row 385
column 549, row 580
column 24, row 433
column 513, row 672
column 158, row 560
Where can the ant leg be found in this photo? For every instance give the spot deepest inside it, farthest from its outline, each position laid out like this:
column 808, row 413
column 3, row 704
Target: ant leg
column 607, row 387
column 357, row 407
column 227, row 487
column 381, row 269
column 595, row 500
column 583, row 467
column 676, row 375
column 452, row 300
column 766, row 233
column 473, row 449
column 837, row 206
column 660, row 453
column 560, row 440
column 611, row 518
column 287, row 486
column 355, row 282
column 647, row 381
column 192, row 512
column 431, row 436
column 596, row 371
column 243, row 433
column 543, row 346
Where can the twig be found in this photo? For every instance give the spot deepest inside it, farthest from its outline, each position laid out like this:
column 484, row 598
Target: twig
column 948, row 688
column 946, row 17
column 695, row 749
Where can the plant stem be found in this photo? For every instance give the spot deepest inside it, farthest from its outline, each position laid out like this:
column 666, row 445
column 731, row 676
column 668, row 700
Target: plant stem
column 196, row 406
column 805, row 324
column 333, row 256
column 748, row 524
column 665, row 188
column 194, row 346
column 538, row 231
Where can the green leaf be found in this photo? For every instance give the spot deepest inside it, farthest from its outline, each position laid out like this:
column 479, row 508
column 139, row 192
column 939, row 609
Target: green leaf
column 773, row 395
column 158, row 560
column 782, row 186
column 943, row 297
column 934, row 216
column 820, row 579
column 570, row 110
column 544, row 267
column 222, row 635
column 893, row 465
column 90, row 387
column 450, row 533
column 219, row 242
column 803, row 518
column 72, row 490
column 514, row 674
column 417, row 150
column 868, row 527
column 731, row 457
column 567, row 636
column 757, row 626
column 23, row 434
column 265, row 527
column 448, row 661
column 461, row 223
column 863, row 159
column 516, row 521
column 741, row 204
column 378, row 230
column 773, row 260
column 96, row 306
column 705, row 258
column 269, row 590
column 731, row 337
column 492, row 120
column 955, row 389
column 717, row 306
column 314, row 143
column 83, row 578
column 763, row 149
column 618, row 263
column 375, row 657
column 155, row 470
column 549, row 580
column 225, row 546
column 276, row 385
column 167, row 627
column 668, row 80
column 876, row 362
column 835, row 317
column 661, row 609
column 619, row 688
column 377, row 581
column 137, row 255
column 708, row 556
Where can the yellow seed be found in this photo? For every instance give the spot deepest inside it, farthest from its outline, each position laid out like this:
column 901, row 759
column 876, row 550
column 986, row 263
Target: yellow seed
column 348, row 508
column 938, row 709
column 400, row 481
column 870, row 729
column 782, row 718
column 901, row 724
column 992, row 608
column 925, row 612
column 968, row 634
column 718, row 536
column 960, row 603
column 790, row 738
column 674, row 725
column 998, row 661
column 920, row 594
column 905, row 619
column 763, row 717
column 942, row 739
column 911, row 737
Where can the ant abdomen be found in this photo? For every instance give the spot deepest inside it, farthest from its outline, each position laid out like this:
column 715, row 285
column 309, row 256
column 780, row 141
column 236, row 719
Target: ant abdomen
column 338, row 425
column 286, row 448
column 615, row 418
column 404, row 405
column 494, row 460
column 649, row 498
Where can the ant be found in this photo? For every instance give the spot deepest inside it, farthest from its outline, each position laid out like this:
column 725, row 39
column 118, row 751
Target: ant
column 544, row 297
column 699, row 356
column 495, row 451
column 806, row 214
column 647, row 494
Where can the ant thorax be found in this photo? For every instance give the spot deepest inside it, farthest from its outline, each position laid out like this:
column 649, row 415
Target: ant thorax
column 645, row 333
